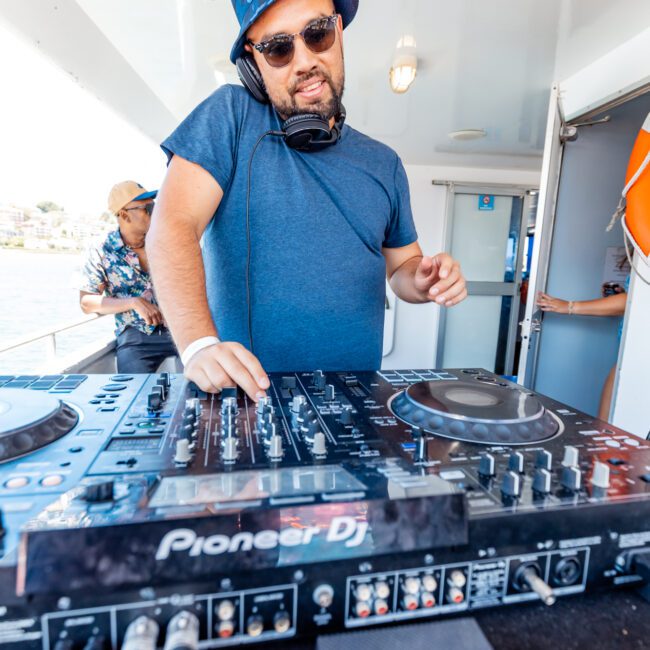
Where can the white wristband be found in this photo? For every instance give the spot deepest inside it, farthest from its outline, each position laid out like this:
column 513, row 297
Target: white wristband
column 196, row 346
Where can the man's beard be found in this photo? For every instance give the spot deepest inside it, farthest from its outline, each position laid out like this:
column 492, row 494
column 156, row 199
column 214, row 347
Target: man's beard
column 325, row 109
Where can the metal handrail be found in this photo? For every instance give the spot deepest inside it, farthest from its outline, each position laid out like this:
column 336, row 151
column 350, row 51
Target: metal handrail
column 51, row 334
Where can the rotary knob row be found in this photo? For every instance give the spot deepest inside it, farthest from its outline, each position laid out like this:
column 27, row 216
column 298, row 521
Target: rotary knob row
column 570, row 476
column 305, row 422
column 188, row 433
column 159, row 393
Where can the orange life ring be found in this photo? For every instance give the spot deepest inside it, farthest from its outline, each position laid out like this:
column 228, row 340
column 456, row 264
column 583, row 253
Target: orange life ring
column 637, row 213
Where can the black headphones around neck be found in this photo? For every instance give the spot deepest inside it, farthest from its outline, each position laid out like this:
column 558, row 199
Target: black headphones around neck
column 304, row 132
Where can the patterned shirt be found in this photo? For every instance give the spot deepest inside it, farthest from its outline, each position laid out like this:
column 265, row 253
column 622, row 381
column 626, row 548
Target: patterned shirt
column 114, row 270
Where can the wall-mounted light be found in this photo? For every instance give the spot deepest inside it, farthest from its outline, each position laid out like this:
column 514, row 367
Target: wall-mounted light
column 405, row 63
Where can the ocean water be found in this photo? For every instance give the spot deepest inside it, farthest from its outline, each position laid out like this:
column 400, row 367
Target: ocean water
column 39, row 291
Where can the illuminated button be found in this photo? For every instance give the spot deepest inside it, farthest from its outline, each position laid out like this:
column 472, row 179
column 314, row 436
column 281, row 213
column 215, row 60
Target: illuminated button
column 147, row 424
column 428, row 599
column 381, row 607
column 631, row 442
column 225, row 629
column 410, row 602
column 52, row 480
column 613, row 443
column 16, row 482
column 225, row 610
column 429, row 583
column 363, row 592
column 382, row 590
column 457, row 579
column 362, row 609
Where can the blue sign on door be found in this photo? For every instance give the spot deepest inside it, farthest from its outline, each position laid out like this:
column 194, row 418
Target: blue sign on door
column 486, row 202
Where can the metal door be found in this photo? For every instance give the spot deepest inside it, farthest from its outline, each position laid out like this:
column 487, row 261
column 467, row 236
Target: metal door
column 485, row 232
column 550, row 180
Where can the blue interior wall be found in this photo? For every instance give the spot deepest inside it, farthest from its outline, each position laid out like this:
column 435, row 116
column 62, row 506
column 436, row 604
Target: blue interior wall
column 577, row 352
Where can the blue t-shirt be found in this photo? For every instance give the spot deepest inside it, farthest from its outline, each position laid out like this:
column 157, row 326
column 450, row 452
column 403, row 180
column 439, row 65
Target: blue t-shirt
column 318, row 222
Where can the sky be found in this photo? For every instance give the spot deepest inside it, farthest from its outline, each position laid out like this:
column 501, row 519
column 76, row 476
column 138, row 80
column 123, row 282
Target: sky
column 60, row 143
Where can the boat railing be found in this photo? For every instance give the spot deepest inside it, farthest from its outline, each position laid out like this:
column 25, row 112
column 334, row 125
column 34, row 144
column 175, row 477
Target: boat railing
column 51, row 361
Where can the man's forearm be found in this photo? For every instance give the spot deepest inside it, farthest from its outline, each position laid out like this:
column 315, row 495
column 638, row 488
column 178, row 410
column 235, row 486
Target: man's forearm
column 95, row 304
column 179, row 279
column 402, row 282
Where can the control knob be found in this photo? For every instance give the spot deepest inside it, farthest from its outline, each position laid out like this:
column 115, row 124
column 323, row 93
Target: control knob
column 542, row 481
column 346, row 416
column 486, row 465
column 570, row 457
column 319, row 447
column 229, row 449
column 511, row 484
column 275, row 447
column 154, row 401
column 600, row 475
column 516, row 462
column 329, row 393
column 319, row 380
column 183, row 454
column 544, row 460
column 571, row 478
column 163, row 386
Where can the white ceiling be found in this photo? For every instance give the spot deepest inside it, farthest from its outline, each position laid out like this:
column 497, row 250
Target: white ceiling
column 482, row 64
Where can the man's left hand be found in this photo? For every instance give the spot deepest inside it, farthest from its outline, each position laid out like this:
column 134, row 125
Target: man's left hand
column 440, row 280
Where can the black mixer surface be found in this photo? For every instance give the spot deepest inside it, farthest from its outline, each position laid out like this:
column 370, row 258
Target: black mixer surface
column 137, row 506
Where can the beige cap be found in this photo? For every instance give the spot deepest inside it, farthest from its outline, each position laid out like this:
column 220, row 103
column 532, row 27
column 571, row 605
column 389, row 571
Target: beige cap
column 125, row 192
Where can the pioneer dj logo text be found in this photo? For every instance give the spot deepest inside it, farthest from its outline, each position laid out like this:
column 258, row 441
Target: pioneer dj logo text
column 341, row 529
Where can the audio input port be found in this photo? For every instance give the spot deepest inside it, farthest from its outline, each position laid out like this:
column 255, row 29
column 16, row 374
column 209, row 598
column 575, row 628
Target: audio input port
column 363, row 592
column 411, row 585
column 282, row 622
column 362, row 609
column 429, row 583
column 518, row 581
column 382, row 590
column 226, row 610
column 381, row 607
column 567, row 571
column 254, row 625
column 410, row 602
column 455, row 595
column 428, row 599
column 226, row 629
column 457, row 579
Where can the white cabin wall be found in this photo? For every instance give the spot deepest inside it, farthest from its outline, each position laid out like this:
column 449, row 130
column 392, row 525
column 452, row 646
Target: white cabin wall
column 416, row 326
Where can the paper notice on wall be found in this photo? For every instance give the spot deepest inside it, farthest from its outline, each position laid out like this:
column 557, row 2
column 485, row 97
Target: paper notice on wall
column 616, row 271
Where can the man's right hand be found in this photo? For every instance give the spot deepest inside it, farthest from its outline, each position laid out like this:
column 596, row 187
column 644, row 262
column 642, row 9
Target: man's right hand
column 227, row 364
column 149, row 312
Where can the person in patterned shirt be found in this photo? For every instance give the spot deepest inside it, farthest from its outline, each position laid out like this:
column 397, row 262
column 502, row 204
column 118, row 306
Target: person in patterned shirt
column 117, row 281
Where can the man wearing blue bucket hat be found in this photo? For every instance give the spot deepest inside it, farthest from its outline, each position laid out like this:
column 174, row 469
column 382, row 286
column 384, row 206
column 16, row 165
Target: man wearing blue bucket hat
column 300, row 217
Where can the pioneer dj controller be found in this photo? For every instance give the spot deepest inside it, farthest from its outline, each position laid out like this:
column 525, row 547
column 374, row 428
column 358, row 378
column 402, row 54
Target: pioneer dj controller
column 139, row 512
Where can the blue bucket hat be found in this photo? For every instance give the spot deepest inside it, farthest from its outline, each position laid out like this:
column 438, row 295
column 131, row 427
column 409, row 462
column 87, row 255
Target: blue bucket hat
column 248, row 11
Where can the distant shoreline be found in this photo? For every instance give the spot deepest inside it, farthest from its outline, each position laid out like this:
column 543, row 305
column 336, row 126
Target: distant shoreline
column 53, row 251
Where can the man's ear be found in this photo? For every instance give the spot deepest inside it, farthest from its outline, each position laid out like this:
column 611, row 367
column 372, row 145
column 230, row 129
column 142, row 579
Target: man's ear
column 123, row 214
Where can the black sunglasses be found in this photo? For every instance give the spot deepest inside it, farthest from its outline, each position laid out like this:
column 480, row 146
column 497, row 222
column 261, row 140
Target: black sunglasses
column 319, row 35
column 147, row 207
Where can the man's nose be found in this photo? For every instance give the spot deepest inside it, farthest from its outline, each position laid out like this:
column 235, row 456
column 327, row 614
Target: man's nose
column 304, row 60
